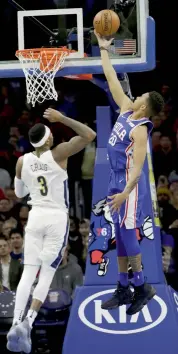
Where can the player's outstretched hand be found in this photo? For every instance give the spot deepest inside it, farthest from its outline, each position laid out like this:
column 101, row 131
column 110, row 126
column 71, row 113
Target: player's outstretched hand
column 102, row 41
column 52, row 115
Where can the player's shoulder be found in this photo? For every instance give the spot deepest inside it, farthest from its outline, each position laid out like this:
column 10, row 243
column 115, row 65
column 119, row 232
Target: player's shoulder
column 20, row 160
column 24, row 158
column 57, row 152
column 140, row 133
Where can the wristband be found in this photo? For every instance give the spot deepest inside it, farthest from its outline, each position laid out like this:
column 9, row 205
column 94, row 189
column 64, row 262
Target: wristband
column 103, row 48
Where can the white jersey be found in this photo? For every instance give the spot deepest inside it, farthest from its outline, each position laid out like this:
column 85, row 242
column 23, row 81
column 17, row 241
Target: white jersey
column 46, row 181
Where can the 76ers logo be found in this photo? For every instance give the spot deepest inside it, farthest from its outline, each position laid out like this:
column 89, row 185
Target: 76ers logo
column 101, row 231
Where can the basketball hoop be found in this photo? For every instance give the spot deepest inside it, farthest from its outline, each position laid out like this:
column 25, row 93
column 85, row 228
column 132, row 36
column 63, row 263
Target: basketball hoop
column 40, row 67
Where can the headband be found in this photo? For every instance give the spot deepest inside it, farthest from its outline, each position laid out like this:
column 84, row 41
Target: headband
column 44, row 139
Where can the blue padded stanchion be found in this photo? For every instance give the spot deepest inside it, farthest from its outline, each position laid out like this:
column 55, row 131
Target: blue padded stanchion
column 93, row 330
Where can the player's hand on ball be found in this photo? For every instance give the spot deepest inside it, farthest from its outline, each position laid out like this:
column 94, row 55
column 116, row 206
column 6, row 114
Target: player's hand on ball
column 53, row 116
column 116, row 201
column 102, row 41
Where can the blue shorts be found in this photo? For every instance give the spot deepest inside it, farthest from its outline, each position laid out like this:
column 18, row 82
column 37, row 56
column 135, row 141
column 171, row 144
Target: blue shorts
column 131, row 212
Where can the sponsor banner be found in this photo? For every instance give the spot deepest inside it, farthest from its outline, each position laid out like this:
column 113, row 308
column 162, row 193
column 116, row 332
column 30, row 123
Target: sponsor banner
column 152, row 330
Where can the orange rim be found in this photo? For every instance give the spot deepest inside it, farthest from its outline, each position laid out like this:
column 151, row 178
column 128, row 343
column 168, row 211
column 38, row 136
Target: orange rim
column 46, row 56
column 36, row 51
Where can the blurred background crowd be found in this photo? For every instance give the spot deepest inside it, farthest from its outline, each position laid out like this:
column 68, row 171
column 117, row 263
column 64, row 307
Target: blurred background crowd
column 16, row 117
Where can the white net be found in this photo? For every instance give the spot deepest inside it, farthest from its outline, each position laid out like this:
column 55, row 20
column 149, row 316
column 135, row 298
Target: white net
column 40, row 67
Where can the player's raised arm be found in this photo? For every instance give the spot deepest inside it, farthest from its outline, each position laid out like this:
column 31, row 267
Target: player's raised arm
column 115, row 87
column 76, row 144
column 20, row 188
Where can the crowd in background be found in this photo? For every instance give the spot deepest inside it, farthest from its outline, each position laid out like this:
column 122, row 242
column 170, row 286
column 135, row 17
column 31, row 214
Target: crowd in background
column 16, row 118
column 15, row 121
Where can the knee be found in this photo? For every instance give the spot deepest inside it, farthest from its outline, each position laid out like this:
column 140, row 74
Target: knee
column 48, row 257
column 45, row 279
column 130, row 242
column 28, row 276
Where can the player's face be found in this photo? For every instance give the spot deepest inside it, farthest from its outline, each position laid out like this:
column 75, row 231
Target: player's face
column 141, row 102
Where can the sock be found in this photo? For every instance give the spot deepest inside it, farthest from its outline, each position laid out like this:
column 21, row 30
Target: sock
column 138, row 278
column 123, row 279
column 18, row 315
column 31, row 315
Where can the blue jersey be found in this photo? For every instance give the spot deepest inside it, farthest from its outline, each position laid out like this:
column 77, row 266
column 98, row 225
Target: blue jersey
column 120, row 144
column 120, row 152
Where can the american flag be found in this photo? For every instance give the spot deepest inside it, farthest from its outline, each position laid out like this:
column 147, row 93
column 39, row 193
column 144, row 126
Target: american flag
column 125, row 46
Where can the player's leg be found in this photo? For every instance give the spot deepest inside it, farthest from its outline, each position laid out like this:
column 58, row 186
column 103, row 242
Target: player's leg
column 39, row 295
column 143, row 292
column 123, row 294
column 133, row 217
column 54, row 244
column 32, row 248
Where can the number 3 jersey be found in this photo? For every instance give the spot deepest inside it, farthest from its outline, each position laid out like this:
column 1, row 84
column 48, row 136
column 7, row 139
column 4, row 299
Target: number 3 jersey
column 120, row 152
column 46, row 181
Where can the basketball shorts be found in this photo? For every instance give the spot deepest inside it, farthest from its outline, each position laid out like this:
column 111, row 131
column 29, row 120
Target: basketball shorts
column 46, row 237
column 131, row 213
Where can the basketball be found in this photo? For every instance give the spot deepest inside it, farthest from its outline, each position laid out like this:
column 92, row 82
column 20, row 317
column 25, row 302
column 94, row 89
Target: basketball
column 106, row 22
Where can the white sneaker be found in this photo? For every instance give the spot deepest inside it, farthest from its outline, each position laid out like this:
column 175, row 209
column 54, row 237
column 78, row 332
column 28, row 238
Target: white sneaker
column 13, row 340
column 23, row 331
column 103, row 267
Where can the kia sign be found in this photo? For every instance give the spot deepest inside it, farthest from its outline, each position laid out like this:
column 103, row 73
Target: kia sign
column 117, row 322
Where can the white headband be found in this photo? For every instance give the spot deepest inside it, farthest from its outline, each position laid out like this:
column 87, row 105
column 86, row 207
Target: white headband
column 43, row 140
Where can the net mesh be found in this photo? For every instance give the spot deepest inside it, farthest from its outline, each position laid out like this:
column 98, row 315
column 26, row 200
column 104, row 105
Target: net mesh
column 40, row 67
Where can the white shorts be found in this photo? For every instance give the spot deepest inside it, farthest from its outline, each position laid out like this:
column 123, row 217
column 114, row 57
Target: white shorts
column 46, row 237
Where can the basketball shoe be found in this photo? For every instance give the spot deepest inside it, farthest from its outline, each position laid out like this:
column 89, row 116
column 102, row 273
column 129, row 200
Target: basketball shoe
column 142, row 295
column 121, row 296
column 13, row 340
column 23, row 331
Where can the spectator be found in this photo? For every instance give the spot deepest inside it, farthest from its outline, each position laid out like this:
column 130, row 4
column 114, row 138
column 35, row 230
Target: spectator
column 7, row 226
column 5, row 208
column 75, row 240
column 23, row 144
column 10, row 269
column 23, row 215
column 170, row 214
column 169, row 265
column 163, row 181
column 165, row 208
column 173, row 180
column 156, row 120
column 10, row 195
column 2, row 195
column 87, row 169
column 164, row 160
column 68, row 275
column 84, row 229
column 5, row 179
column 16, row 241
column 156, row 141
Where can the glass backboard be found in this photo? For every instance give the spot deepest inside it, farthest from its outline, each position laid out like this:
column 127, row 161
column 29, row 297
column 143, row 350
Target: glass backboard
column 44, row 23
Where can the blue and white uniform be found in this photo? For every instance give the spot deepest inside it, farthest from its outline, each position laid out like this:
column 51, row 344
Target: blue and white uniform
column 120, row 152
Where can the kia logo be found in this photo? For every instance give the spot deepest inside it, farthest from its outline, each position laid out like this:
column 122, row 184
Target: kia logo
column 117, row 322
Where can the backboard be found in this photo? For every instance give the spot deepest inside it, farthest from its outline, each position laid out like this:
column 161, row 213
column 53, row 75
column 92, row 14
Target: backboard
column 36, row 24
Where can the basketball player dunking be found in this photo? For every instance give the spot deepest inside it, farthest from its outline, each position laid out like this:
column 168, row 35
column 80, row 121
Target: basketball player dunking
column 43, row 175
column 127, row 148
